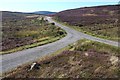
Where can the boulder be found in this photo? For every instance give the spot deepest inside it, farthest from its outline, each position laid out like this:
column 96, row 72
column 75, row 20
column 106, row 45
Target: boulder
column 35, row 65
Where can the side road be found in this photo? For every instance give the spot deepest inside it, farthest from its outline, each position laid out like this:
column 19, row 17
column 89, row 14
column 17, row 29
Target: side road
column 86, row 35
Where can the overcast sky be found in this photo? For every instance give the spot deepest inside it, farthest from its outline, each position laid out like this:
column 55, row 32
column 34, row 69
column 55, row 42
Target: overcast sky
column 50, row 5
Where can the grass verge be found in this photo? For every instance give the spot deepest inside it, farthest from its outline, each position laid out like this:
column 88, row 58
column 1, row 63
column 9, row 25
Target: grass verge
column 77, row 28
column 43, row 58
column 40, row 42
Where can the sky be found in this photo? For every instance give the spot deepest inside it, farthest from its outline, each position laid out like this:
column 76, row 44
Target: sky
column 50, row 5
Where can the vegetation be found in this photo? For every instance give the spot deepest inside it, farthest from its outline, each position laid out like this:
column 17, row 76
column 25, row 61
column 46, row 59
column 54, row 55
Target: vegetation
column 82, row 59
column 100, row 21
column 22, row 31
column 108, row 33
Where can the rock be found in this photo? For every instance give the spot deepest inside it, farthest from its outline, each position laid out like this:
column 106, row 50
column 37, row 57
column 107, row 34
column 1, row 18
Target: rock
column 86, row 54
column 35, row 66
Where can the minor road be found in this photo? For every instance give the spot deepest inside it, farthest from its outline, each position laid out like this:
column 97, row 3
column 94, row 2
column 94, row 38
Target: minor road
column 11, row 61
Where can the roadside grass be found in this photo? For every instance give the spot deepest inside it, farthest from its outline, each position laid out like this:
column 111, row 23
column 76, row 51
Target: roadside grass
column 39, row 42
column 85, row 45
column 58, row 63
column 43, row 58
column 108, row 33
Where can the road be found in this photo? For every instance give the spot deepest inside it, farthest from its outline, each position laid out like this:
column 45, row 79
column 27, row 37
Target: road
column 13, row 60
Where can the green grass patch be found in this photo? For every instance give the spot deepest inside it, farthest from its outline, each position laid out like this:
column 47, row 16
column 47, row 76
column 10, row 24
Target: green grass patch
column 85, row 45
column 40, row 42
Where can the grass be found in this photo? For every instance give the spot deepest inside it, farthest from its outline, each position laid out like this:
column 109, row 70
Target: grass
column 26, row 32
column 42, row 41
column 66, row 62
column 108, row 33
column 85, row 45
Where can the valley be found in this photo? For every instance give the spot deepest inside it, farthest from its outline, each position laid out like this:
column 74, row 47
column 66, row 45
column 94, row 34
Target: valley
column 77, row 43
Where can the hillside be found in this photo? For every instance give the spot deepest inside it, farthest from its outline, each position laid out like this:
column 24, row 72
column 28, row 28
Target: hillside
column 98, row 21
column 90, row 15
column 22, row 31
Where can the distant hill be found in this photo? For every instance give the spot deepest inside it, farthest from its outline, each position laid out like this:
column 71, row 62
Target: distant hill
column 8, row 15
column 44, row 12
column 90, row 15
